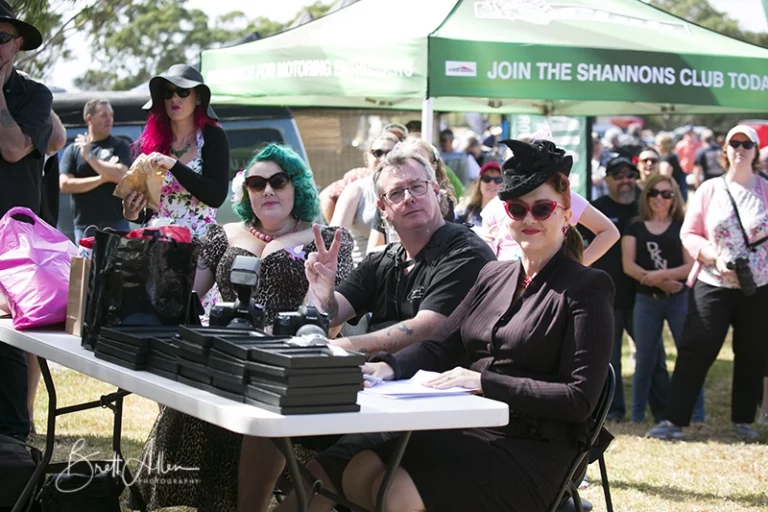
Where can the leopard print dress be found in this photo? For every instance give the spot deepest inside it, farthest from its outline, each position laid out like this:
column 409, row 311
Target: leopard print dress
column 187, row 442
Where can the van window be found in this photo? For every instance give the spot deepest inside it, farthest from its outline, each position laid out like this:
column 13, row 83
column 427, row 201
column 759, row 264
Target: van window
column 244, row 144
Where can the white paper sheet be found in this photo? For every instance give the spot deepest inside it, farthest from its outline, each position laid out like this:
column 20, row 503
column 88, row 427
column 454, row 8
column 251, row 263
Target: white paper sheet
column 413, row 388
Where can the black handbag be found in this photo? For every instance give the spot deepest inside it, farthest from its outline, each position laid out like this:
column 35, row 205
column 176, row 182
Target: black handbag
column 80, row 488
column 18, row 461
column 138, row 282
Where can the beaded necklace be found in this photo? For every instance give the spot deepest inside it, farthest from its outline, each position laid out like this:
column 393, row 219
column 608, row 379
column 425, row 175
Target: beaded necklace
column 268, row 238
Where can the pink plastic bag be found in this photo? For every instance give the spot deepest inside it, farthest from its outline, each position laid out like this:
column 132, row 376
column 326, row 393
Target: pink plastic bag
column 34, row 270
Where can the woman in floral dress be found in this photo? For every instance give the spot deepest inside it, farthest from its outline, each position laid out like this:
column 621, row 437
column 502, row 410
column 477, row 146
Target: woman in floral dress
column 183, row 136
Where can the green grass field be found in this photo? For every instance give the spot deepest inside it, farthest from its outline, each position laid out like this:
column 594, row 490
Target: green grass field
column 711, row 472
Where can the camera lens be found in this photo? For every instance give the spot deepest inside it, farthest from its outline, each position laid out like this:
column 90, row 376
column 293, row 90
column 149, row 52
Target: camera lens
column 311, row 330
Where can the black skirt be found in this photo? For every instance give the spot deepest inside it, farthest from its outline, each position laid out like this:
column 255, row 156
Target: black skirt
column 478, row 470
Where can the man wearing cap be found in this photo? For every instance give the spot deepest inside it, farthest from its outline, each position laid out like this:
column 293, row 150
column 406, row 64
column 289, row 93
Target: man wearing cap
column 620, row 205
column 25, row 128
column 89, row 173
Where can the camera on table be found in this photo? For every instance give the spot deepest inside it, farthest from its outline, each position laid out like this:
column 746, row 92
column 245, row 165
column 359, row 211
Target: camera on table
column 744, row 275
column 244, row 312
column 308, row 320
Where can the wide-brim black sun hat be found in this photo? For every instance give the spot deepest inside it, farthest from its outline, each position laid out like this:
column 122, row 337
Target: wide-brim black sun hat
column 186, row 77
column 32, row 37
column 530, row 166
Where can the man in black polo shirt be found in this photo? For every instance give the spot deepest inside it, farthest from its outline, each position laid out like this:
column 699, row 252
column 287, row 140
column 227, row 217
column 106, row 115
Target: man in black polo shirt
column 410, row 288
column 88, row 173
column 620, row 205
column 25, row 127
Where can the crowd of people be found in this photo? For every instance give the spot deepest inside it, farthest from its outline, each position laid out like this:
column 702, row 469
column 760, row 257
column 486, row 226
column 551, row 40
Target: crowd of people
column 478, row 263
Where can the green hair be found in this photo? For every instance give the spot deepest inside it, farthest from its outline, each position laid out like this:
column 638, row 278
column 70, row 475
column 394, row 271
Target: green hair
column 306, row 204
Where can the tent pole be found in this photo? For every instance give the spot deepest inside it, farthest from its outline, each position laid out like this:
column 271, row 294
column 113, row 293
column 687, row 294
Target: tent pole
column 427, row 120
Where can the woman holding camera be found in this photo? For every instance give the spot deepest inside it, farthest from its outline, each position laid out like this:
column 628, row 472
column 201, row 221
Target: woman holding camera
column 726, row 233
column 277, row 202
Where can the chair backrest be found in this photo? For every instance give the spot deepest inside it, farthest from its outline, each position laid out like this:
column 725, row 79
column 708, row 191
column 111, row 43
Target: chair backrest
column 595, row 424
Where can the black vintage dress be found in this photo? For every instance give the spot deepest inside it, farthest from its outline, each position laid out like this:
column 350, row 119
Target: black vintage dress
column 188, row 442
column 546, row 355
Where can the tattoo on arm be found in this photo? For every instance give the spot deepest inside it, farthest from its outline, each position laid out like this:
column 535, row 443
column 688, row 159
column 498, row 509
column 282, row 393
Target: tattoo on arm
column 6, row 119
column 402, row 327
column 333, row 309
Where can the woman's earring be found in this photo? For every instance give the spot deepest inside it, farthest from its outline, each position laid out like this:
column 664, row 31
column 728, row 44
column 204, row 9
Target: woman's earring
column 566, row 228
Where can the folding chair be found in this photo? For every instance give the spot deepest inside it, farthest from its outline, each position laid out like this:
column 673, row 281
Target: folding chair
column 595, row 426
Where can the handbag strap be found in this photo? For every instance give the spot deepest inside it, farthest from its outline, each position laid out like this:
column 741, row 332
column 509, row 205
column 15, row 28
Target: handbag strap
column 751, row 246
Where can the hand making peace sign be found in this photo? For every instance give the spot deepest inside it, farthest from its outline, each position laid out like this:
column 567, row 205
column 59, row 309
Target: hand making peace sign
column 320, row 267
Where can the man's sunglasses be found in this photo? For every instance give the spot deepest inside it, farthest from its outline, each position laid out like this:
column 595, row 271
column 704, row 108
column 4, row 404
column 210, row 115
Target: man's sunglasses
column 496, row 179
column 666, row 194
column 540, row 210
column 5, row 37
column 746, row 144
column 179, row 91
column 626, row 174
column 277, row 181
column 378, row 153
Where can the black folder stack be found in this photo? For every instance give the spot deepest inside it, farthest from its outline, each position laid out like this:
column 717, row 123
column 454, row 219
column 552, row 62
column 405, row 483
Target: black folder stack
column 130, row 347
column 271, row 373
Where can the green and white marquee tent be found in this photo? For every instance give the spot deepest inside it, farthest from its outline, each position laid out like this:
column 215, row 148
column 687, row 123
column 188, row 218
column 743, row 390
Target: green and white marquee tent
column 564, row 57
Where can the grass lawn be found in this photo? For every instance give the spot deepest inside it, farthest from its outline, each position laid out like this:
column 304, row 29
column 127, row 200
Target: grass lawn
column 711, row 472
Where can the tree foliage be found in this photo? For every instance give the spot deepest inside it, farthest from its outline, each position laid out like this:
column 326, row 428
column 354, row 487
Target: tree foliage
column 132, row 41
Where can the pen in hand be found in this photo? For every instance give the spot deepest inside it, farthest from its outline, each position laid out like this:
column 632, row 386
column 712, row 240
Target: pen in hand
column 370, row 381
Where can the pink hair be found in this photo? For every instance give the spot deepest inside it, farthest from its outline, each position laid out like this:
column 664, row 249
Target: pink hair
column 157, row 134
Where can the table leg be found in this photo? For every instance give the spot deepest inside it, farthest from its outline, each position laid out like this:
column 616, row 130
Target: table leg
column 37, row 477
column 117, row 436
column 286, row 446
column 394, row 463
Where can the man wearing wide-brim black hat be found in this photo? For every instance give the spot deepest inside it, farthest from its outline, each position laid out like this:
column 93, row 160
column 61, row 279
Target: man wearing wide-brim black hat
column 25, row 127
column 25, row 108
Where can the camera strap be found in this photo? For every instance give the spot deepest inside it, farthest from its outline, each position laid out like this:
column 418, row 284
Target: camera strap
column 751, row 246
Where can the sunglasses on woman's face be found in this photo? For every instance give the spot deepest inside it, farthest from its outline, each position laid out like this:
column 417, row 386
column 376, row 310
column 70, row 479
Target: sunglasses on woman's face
column 179, row 91
column 378, row 153
column 746, row 144
column 666, row 194
column 277, row 181
column 649, row 160
column 540, row 210
column 6, row 37
column 487, row 179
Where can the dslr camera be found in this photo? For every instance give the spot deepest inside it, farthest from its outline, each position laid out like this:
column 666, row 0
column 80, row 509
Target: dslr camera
column 244, row 313
column 744, row 275
column 308, row 320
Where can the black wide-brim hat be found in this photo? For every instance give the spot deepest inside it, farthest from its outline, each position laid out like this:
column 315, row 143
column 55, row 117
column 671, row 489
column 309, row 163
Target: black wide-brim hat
column 530, row 166
column 32, row 37
column 186, row 77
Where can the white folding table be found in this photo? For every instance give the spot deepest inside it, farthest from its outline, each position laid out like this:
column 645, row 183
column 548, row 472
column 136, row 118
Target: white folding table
column 376, row 414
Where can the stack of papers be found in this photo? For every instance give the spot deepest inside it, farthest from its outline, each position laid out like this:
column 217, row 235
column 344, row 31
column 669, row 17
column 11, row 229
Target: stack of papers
column 413, row 388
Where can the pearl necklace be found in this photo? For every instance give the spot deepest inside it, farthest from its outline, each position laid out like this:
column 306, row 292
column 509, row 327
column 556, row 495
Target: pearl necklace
column 268, row 238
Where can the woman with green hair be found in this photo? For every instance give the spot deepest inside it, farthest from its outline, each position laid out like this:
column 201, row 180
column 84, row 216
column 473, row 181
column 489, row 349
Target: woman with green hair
column 276, row 200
